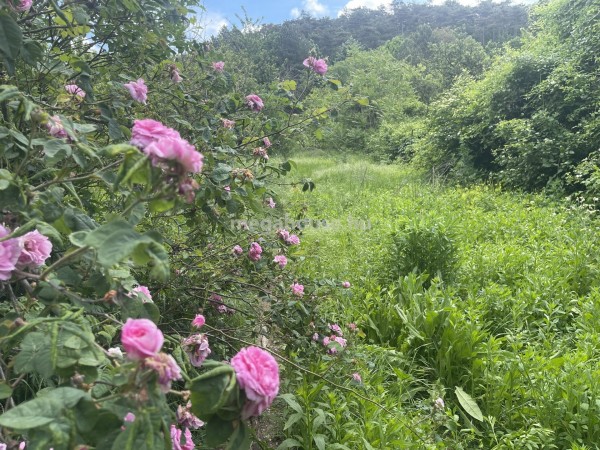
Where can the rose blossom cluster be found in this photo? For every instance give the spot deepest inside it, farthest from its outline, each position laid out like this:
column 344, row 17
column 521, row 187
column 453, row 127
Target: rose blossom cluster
column 28, row 251
column 163, row 145
column 257, row 373
column 316, row 65
column 142, row 340
column 289, row 239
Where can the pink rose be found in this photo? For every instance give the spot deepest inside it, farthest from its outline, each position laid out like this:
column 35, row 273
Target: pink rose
column 281, row 260
column 266, row 142
column 166, row 369
column 141, row 338
column 176, row 439
column 255, row 251
column 229, row 124
column 146, row 131
column 143, row 292
column 75, row 90
column 283, row 234
column 198, row 321
column 218, row 66
column 24, row 5
column 315, row 337
column 346, row 284
column 197, row 349
column 254, row 102
column 271, row 203
column 258, row 375
column 237, row 250
column 297, row 289
column 292, row 240
column 130, row 417
column 356, row 377
column 175, row 149
column 138, row 90
column 227, row 188
column 56, row 128
column 336, row 329
column 36, row 249
column 316, row 65
column 10, row 251
column 187, row 188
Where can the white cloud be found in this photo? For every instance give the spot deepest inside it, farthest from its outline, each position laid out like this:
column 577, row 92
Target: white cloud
column 209, row 24
column 371, row 4
column 312, row 7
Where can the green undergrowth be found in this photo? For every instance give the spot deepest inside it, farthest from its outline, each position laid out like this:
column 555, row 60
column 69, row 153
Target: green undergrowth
column 486, row 299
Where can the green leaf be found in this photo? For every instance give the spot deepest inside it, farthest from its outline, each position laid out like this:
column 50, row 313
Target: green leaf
column 46, row 408
column 31, row 52
column 221, row 173
column 288, row 85
column 362, row 101
column 468, row 404
column 10, row 41
column 212, row 390
column 289, row 443
column 240, row 439
column 218, row 431
column 5, row 390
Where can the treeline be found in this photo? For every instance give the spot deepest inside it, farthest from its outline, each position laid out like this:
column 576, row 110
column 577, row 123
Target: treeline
column 279, row 48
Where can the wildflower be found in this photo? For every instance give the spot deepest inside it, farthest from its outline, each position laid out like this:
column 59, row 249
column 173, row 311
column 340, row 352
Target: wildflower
column 255, row 251
column 266, row 142
column 130, row 417
column 186, row 418
column 352, row 326
column 326, row 341
column 297, row 289
column 315, row 337
column 281, row 260
column 141, row 338
column 165, row 367
column 218, row 66
column 10, row 251
column 271, row 203
column 356, row 377
column 198, row 321
column 261, row 153
column 283, row 234
column 75, row 90
column 35, row 249
column 346, row 284
column 439, row 403
column 197, row 349
column 227, row 188
column 237, row 250
column 258, row 375
column 254, row 102
column 138, row 90
column 176, row 439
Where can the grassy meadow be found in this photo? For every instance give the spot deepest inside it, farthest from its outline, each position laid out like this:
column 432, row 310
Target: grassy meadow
column 484, row 299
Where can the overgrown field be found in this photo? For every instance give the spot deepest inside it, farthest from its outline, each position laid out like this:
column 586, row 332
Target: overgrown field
column 469, row 295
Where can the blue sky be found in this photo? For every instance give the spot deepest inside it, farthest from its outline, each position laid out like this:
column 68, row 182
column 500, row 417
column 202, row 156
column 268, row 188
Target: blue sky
column 222, row 12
